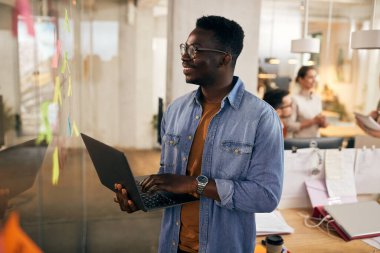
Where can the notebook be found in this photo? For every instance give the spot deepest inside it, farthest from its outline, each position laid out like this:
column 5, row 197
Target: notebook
column 112, row 167
column 357, row 220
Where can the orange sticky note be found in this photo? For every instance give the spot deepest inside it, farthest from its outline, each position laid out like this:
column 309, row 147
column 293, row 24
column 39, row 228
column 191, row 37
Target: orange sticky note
column 15, row 239
column 260, row 249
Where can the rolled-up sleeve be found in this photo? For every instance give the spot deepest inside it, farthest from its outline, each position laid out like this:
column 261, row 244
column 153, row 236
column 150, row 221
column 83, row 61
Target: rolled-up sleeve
column 261, row 190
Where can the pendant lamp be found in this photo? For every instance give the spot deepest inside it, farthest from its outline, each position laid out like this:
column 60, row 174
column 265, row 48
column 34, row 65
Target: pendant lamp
column 305, row 45
column 367, row 39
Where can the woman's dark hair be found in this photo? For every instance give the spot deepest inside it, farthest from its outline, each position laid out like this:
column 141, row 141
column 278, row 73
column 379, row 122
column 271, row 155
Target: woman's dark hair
column 303, row 71
column 227, row 33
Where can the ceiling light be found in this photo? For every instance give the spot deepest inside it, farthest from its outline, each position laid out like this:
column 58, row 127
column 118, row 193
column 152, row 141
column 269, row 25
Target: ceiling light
column 305, row 45
column 367, row 39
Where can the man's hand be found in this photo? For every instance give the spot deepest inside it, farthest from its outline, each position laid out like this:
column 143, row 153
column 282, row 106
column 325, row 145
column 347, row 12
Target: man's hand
column 169, row 183
column 122, row 198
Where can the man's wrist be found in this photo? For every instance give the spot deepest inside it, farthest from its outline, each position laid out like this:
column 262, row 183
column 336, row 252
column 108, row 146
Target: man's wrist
column 194, row 185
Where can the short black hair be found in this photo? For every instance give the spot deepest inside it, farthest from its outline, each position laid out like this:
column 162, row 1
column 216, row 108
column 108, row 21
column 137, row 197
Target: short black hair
column 228, row 33
column 303, row 71
column 274, row 97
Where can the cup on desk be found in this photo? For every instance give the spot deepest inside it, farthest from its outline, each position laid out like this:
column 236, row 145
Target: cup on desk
column 274, row 243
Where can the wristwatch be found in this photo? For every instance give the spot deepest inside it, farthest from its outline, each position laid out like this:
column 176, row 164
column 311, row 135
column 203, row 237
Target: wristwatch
column 201, row 184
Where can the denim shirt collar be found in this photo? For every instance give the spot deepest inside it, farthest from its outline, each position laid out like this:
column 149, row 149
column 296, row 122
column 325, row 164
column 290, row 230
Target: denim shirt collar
column 234, row 97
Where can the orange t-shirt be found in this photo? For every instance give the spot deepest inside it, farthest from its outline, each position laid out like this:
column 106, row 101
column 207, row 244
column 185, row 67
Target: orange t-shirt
column 188, row 236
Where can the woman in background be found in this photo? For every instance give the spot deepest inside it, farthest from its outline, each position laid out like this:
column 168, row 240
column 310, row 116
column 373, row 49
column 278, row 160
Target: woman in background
column 306, row 118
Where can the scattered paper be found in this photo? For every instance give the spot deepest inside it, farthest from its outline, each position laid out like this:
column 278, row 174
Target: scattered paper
column 367, row 171
column 339, row 168
column 271, row 223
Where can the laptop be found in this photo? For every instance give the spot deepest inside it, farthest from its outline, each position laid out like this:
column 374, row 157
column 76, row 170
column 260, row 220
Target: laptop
column 357, row 220
column 19, row 165
column 112, row 167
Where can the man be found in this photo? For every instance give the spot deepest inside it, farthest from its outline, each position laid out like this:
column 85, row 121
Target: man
column 219, row 143
column 281, row 101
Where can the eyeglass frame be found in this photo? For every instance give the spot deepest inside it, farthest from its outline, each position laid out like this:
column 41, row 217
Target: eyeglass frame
column 286, row 106
column 196, row 49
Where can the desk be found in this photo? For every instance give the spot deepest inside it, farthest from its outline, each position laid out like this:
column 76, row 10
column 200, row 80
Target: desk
column 313, row 240
column 341, row 131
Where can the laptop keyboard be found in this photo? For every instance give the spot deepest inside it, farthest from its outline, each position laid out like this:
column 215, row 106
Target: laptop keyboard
column 156, row 200
column 152, row 200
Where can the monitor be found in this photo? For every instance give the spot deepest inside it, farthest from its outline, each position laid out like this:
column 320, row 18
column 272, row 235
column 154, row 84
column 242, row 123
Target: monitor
column 319, row 142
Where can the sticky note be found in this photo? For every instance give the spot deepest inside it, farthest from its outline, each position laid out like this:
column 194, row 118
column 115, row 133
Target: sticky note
column 69, row 132
column 75, row 129
column 69, row 89
column 57, row 91
column 15, row 239
column 55, row 59
column 55, row 174
column 67, row 22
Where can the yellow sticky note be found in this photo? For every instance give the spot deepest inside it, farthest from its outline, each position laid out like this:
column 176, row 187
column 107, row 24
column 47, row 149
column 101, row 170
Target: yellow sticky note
column 69, row 90
column 55, row 175
column 67, row 23
column 75, row 129
column 57, row 91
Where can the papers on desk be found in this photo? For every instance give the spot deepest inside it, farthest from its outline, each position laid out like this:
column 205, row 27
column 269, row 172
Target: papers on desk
column 339, row 166
column 343, row 174
column 271, row 223
column 367, row 170
column 316, row 188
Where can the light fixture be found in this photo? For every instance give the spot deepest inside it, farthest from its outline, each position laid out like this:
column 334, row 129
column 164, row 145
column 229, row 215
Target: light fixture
column 272, row 60
column 305, row 45
column 367, row 39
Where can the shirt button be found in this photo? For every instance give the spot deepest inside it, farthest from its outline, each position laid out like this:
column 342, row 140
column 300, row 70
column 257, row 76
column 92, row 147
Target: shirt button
column 190, row 137
column 236, row 151
column 197, row 117
column 184, row 158
column 177, row 223
column 171, row 142
column 173, row 243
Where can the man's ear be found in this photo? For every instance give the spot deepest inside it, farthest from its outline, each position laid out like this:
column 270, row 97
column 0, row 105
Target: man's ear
column 279, row 112
column 226, row 59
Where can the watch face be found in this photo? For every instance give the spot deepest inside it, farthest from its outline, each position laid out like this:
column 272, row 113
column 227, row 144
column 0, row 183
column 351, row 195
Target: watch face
column 202, row 179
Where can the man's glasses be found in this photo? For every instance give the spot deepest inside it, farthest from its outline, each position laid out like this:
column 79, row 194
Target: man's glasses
column 192, row 50
column 286, row 106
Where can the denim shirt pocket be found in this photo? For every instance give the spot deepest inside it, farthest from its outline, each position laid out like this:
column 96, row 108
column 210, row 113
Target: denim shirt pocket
column 171, row 148
column 234, row 159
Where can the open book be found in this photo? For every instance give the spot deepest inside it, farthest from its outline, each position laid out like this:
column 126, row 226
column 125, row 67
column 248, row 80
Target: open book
column 271, row 223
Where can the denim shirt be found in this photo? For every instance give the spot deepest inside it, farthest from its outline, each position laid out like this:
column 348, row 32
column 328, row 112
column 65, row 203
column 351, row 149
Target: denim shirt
column 243, row 153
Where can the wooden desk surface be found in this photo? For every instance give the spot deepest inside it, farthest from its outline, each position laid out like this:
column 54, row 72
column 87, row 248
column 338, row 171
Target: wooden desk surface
column 313, row 240
column 341, row 131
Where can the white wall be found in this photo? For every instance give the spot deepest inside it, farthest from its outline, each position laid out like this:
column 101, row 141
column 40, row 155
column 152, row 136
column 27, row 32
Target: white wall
column 182, row 17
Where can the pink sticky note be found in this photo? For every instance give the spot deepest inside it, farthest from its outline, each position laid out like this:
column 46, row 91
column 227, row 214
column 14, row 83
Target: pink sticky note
column 22, row 8
column 54, row 61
